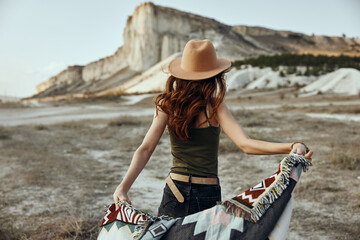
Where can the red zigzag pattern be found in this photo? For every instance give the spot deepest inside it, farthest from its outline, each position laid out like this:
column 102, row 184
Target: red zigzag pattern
column 124, row 214
column 251, row 195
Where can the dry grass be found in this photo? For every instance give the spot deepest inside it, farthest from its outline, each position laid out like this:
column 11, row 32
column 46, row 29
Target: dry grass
column 49, row 169
column 346, row 161
column 8, row 232
column 40, row 127
column 331, row 108
column 72, row 226
column 45, row 172
column 129, row 121
column 12, row 105
column 4, row 134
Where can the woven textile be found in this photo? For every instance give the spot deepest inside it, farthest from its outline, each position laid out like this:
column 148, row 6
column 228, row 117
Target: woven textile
column 121, row 224
column 236, row 218
column 254, row 202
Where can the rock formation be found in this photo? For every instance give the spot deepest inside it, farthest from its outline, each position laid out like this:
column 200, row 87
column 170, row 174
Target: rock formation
column 342, row 81
column 154, row 33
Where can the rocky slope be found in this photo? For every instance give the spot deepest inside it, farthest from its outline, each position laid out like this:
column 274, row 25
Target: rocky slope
column 345, row 81
column 341, row 81
column 253, row 78
column 155, row 33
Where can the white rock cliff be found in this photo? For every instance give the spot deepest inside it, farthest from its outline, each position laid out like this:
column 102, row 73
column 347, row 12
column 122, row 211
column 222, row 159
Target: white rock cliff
column 154, row 33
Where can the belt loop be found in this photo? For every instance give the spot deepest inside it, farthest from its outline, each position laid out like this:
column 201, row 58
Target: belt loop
column 190, row 179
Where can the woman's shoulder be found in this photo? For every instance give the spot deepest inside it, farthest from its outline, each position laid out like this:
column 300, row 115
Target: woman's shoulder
column 222, row 107
column 223, row 112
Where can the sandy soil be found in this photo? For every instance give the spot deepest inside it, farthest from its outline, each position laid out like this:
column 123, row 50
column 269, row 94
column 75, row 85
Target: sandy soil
column 60, row 162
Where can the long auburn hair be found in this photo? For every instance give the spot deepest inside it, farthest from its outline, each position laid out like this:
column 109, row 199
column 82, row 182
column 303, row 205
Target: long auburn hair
column 184, row 100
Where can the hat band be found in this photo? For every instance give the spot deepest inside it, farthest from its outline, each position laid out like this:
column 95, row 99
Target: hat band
column 202, row 66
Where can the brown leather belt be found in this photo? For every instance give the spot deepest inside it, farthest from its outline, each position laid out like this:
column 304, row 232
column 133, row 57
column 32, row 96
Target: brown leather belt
column 185, row 178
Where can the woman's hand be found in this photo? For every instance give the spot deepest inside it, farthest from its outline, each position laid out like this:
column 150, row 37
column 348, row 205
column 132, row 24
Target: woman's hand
column 120, row 195
column 308, row 155
column 300, row 149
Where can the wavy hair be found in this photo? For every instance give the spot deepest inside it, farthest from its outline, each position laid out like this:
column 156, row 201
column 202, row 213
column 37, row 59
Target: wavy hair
column 184, row 100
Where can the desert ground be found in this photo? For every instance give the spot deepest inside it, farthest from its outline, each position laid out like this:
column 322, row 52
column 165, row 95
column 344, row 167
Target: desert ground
column 60, row 162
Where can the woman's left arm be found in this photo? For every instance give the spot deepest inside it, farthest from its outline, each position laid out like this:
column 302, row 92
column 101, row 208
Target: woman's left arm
column 251, row 146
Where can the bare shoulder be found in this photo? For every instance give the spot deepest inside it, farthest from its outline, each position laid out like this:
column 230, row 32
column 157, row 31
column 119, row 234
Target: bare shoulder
column 223, row 109
column 160, row 113
column 223, row 114
column 215, row 117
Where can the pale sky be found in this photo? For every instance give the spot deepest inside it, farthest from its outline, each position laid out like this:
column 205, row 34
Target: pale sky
column 39, row 38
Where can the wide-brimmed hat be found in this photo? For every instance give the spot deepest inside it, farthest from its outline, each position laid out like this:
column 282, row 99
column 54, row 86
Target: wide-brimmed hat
column 198, row 62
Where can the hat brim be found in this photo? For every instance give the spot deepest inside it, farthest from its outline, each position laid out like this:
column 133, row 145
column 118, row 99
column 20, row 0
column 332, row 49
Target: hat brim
column 176, row 70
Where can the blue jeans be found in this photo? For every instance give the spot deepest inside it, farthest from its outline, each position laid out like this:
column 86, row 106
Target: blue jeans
column 197, row 197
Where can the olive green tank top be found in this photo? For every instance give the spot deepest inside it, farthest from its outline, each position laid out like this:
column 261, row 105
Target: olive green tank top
column 199, row 154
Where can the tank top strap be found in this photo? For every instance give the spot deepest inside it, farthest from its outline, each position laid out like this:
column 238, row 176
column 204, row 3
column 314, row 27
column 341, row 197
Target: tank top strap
column 207, row 118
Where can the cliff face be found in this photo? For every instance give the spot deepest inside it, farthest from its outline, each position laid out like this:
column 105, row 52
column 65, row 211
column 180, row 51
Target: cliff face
column 105, row 67
column 70, row 76
column 153, row 33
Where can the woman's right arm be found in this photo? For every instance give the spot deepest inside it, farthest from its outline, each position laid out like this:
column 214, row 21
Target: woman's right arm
column 141, row 157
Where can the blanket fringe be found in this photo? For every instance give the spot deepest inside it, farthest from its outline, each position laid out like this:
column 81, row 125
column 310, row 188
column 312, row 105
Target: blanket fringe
column 254, row 214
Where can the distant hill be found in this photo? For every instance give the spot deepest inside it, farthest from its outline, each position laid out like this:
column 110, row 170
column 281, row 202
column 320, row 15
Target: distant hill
column 155, row 34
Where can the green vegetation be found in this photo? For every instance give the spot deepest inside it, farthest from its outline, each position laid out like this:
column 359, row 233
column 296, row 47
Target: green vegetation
column 291, row 70
column 315, row 65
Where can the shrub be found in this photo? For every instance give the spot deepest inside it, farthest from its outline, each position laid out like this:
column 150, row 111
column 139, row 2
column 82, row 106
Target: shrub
column 315, row 71
column 326, row 63
column 40, row 127
column 291, row 70
column 3, row 133
column 298, row 85
column 126, row 120
column 275, row 68
column 345, row 161
column 282, row 96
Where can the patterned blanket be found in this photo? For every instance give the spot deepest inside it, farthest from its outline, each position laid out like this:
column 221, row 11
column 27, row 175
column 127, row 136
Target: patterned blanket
column 261, row 212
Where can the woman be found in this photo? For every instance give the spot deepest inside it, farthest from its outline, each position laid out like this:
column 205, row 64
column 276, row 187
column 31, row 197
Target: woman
column 192, row 108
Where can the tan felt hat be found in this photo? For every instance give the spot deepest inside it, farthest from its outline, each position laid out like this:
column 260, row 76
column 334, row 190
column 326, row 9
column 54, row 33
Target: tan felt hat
column 198, row 62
